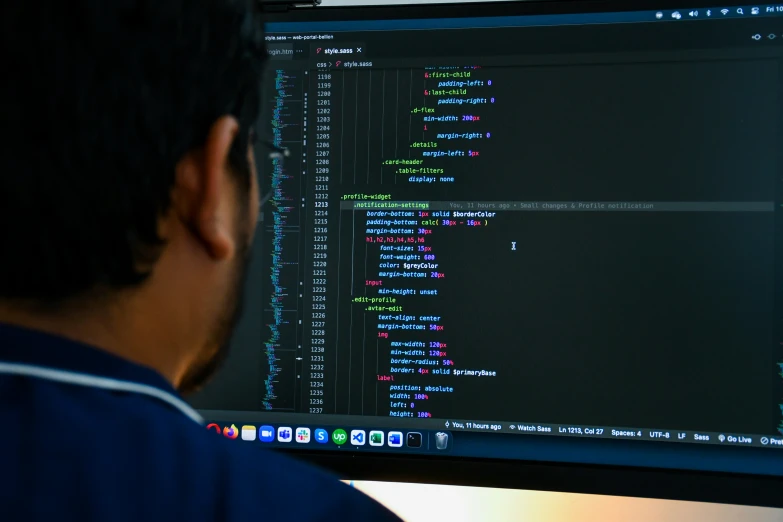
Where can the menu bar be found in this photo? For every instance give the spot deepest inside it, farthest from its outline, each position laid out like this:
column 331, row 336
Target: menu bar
column 534, row 20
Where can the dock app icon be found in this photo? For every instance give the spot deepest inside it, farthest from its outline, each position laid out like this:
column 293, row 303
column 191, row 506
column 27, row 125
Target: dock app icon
column 395, row 439
column 248, row 432
column 339, row 436
column 376, row 438
column 358, row 437
column 285, row 434
column 266, row 434
column 321, row 436
column 303, row 435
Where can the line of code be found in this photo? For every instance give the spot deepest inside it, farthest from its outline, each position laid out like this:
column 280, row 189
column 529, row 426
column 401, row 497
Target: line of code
column 411, row 274
column 508, row 299
column 445, row 125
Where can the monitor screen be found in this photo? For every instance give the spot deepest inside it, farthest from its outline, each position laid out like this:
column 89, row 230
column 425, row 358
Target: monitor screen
column 539, row 232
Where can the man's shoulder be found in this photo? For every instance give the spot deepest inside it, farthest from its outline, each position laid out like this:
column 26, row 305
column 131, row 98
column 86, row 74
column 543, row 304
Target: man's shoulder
column 134, row 458
column 249, row 479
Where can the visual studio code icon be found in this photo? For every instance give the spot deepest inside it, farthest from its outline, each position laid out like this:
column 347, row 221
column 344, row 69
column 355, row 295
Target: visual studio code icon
column 358, row 437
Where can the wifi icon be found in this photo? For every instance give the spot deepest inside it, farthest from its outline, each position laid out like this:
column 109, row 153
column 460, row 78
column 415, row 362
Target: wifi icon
column 724, row 12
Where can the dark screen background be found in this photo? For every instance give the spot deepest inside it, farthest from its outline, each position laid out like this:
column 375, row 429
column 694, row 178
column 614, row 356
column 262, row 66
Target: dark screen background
column 638, row 319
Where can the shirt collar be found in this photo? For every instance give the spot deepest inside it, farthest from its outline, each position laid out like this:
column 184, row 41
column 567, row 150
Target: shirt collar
column 31, row 347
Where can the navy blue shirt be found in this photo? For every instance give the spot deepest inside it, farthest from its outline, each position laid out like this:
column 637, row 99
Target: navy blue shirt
column 85, row 436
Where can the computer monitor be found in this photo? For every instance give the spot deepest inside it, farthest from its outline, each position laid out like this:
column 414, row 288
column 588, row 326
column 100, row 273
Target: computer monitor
column 532, row 245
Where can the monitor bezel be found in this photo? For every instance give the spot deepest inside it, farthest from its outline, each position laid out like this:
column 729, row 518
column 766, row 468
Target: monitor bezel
column 591, row 479
column 477, row 9
column 657, row 483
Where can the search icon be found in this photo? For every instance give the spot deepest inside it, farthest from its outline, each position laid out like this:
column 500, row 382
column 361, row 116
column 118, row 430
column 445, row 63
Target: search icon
column 740, row 11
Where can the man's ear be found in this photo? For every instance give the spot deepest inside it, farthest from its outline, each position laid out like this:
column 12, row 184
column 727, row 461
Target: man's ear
column 203, row 190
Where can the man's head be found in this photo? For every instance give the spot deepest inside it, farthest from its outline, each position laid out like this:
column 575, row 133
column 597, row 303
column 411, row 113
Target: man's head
column 128, row 195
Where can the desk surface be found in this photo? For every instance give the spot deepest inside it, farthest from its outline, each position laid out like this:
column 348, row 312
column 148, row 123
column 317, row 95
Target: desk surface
column 425, row 502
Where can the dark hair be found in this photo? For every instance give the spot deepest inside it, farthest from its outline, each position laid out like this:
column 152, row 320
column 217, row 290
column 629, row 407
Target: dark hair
column 101, row 99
